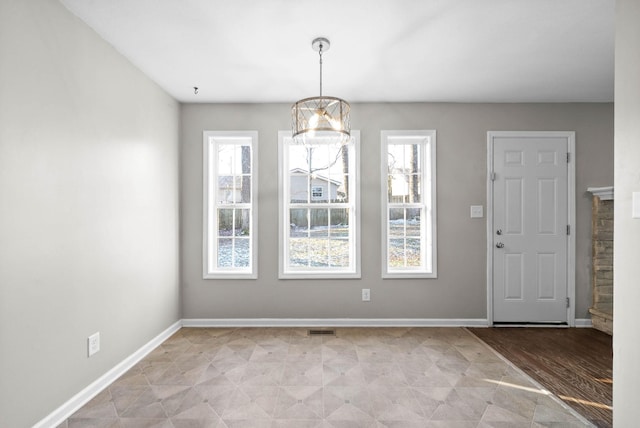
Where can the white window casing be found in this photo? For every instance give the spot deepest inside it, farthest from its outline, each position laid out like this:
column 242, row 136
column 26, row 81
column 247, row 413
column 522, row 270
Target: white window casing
column 408, row 192
column 230, row 189
column 319, row 203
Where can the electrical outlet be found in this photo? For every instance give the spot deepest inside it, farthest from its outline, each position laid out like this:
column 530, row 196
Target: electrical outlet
column 366, row 294
column 93, row 343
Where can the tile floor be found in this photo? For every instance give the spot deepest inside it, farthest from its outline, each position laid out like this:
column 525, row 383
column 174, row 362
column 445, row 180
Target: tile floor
column 362, row 377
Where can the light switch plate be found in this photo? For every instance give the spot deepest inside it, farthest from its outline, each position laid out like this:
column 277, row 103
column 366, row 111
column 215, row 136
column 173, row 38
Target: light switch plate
column 635, row 205
column 476, row 211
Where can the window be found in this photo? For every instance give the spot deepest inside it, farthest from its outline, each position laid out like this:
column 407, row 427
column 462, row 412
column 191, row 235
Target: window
column 317, row 192
column 408, row 204
column 319, row 208
column 230, row 188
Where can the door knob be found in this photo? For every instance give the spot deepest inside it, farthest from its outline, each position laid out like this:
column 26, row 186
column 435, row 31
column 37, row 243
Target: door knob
column 499, row 245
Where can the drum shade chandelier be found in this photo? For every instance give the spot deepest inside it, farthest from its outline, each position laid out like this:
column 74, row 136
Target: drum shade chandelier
column 328, row 116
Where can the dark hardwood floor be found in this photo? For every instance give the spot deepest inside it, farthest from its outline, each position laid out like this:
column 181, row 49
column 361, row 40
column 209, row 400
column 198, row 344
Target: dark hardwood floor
column 575, row 364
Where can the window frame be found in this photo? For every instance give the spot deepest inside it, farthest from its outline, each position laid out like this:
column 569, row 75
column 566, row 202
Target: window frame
column 427, row 141
column 286, row 272
column 211, row 139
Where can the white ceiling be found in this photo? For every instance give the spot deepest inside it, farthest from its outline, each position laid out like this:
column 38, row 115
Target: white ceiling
column 381, row 50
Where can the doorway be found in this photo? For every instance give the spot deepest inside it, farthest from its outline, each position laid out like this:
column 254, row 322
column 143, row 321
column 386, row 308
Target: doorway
column 530, row 220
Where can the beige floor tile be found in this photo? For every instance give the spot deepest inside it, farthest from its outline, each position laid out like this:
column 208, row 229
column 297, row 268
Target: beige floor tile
column 255, row 423
column 262, row 374
column 361, row 377
column 198, row 423
column 397, row 404
column 302, row 373
column 297, row 423
column 383, row 374
column 218, row 397
column 94, row 423
column 299, row 402
column 250, row 402
column 347, row 403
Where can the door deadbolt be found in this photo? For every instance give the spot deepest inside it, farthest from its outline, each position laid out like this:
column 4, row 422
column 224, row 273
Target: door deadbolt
column 499, row 232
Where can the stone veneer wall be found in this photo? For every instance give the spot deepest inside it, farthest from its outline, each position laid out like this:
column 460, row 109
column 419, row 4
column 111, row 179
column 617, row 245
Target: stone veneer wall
column 602, row 271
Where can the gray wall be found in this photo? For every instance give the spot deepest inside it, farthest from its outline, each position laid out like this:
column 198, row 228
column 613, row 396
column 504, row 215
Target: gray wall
column 626, row 334
column 460, row 289
column 88, row 208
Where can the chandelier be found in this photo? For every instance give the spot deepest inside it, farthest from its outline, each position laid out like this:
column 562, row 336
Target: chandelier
column 321, row 115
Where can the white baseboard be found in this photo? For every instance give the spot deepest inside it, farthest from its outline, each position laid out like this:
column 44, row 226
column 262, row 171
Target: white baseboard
column 80, row 399
column 583, row 323
column 334, row 322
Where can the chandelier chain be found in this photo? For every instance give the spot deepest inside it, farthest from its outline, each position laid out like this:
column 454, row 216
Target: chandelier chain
column 320, row 53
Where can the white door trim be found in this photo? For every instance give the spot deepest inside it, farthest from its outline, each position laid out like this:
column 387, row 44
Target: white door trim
column 571, row 214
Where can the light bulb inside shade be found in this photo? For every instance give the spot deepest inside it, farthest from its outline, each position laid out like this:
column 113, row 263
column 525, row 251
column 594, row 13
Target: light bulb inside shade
column 335, row 124
column 322, row 117
column 315, row 119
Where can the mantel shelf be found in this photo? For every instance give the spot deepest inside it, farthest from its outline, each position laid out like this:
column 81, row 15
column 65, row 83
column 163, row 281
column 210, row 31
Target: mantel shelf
column 604, row 193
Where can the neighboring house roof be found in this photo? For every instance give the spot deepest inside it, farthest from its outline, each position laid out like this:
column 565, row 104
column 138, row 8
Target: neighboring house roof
column 316, row 175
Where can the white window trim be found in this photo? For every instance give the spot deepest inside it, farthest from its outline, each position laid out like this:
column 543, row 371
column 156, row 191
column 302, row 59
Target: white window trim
column 428, row 165
column 210, row 220
column 284, row 225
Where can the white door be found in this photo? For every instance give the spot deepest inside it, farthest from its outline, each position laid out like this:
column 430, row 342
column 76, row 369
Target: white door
column 530, row 227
